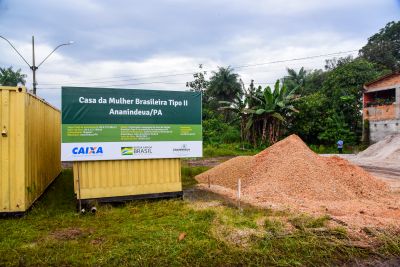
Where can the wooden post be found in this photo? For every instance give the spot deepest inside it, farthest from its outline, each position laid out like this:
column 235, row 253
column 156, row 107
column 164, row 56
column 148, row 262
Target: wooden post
column 239, row 192
column 79, row 188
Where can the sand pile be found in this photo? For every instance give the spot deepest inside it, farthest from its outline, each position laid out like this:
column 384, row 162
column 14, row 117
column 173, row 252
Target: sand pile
column 227, row 173
column 290, row 171
column 289, row 175
column 387, row 149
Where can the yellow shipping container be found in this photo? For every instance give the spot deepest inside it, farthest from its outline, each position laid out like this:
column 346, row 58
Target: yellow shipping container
column 29, row 148
column 116, row 180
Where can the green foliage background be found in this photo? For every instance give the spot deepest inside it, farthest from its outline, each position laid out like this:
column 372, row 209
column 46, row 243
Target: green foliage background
column 328, row 101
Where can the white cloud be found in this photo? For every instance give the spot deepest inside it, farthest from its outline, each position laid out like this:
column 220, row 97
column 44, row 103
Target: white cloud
column 154, row 38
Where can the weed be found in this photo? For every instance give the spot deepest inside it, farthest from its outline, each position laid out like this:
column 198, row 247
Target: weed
column 220, row 150
column 188, row 174
column 304, row 221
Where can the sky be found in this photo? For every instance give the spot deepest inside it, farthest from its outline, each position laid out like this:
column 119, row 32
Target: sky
column 159, row 44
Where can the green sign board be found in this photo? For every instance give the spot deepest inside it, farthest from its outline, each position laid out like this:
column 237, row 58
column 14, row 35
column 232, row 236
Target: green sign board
column 106, row 124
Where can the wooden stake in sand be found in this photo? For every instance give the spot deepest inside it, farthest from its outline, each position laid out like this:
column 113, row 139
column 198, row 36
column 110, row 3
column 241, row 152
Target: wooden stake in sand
column 209, row 184
column 239, row 192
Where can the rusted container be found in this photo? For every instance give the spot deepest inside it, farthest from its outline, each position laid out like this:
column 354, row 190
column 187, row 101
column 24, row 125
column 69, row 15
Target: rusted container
column 117, row 180
column 30, row 146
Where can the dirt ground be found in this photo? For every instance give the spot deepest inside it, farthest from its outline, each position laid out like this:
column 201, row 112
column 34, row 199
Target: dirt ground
column 207, row 162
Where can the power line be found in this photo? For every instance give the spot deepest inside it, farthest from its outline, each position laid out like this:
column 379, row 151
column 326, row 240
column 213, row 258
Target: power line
column 132, row 79
column 293, row 59
column 115, row 85
column 191, row 73
column 175, row 83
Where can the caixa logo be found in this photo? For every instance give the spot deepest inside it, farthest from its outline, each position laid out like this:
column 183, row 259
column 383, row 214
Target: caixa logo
column 88, row 150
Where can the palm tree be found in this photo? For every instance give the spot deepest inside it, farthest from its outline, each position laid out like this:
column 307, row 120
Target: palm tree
column 295, row 79
column 224, row 85
column 8, row 77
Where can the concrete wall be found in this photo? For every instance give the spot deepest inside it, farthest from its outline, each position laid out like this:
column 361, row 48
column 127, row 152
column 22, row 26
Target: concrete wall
column 381, row 129
column 398, row 101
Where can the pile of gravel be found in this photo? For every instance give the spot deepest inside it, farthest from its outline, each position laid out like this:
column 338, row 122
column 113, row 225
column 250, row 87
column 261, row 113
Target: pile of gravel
column 387, row 149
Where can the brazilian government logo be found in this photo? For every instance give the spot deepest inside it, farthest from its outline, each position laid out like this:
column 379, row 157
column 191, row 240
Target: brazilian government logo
column 126, row 151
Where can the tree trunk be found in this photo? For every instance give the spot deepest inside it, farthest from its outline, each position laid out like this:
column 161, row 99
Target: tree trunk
column 254, row 135
column 274, row 131
column 264, row 131
column 270, row 132
column 242, row 130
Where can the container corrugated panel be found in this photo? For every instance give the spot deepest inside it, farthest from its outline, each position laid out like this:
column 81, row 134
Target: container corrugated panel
column 118, row 178
column 29, row 146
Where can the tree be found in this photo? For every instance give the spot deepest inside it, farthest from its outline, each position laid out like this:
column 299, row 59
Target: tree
column 272, row 110
column 295, row 80
column 310, row 122
column 343, row 89
column 384, row 47
column 215, row 131
column 200, row 83
column 238, row 107
column 333, row 63
column 8, row 77
column 306, row 82
column 224, row 85
column 314, row 81
column 335, row 128
column 331, row 102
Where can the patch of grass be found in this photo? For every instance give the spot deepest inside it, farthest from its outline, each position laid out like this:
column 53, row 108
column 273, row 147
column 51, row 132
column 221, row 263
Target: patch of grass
column 273, row 226
column 305, row 221
column 146, row 233
column 339, row 231
column 220, row 150
column 188, row 174
column 390, row 244
column 322, row 149
column 140, row 232
column 239, row 219
column 307, row 249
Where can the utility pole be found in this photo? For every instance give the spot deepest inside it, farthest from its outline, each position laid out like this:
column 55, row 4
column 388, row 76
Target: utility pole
column 34, row 67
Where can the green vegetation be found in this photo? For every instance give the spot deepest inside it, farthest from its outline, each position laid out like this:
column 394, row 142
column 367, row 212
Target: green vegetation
column 343, row 90
column 9, row 77
column 188, row 174
column 383, row 47
column 322, row 149
column 305, row 221
column 224, row 85
column 321, row 105
column 147, row 233
column 267, row 111
column 220, row 150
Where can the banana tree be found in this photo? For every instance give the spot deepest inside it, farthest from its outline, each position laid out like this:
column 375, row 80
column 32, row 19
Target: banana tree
column 273, row 106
